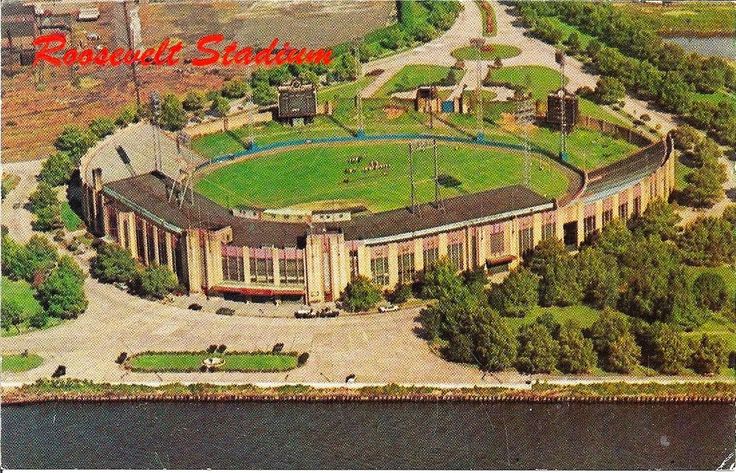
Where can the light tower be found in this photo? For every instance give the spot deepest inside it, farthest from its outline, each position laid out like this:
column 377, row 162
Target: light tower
column 560, row 58
column 524, row 115
column 155, row 101
column 418, row 146
column 358, row 97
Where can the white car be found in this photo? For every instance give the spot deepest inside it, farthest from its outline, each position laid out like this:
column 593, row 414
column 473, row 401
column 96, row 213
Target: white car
column 388, row 308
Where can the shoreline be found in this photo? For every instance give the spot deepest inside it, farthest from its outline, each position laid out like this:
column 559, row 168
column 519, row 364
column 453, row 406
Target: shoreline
column 667, row 34
column 83, row 391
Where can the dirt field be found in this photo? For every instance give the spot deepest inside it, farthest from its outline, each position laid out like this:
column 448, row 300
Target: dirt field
column 37, row 104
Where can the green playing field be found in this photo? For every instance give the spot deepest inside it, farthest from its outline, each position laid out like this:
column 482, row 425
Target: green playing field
column 314, row 174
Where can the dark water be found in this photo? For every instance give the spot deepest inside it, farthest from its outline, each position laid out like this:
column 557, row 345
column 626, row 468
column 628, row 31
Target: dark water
column 363, row 435
column 718, row 46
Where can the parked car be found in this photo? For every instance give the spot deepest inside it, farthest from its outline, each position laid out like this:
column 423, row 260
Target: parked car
column 60, row 371
column 304, row 313
column 350, row 378
column 195, row 306
column 225, row 311
column 278, row 347
column 388, row 308
column 121, row 285
column 327, row 312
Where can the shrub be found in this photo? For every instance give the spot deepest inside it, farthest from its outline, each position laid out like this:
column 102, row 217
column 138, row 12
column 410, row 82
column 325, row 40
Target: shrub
column 710, row 291
column 302, row 359
column 156, row 282
column 102, row 127
column 361, row 295
column 401, row 294
column 113, row 263
column 709, row 354
column 517, row 294
column 221, row 349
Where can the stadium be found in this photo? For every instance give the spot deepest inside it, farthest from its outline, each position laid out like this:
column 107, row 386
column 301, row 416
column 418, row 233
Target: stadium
column 299, row 218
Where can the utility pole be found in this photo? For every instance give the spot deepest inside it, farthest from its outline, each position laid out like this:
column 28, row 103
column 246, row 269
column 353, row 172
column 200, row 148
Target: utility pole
column 358, row 98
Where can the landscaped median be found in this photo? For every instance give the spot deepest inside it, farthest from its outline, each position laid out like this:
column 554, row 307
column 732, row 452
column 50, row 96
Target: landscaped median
column 77, row 390
column 17, row 363
column 186, row 362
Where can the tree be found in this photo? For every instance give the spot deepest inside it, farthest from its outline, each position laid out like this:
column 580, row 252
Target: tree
column 113, row 263
column 156, row 281
column 624, row 355
column 101, row 127
column 310, row 77
column 423, row 32
column 441, row 281
column 609, row 90
column 401, row 293
column 576, row 353
column 173, row 117
column 495, row 344
column 537, row 350
column 44, row 196
column 220, row 105
column 614, row 342
column 75, row 141
column 264, row 94
column 127, row 116
column 361, row 294
column 12, row 313
column 62, row 294
column 517, row 294
column 344, row 68
column 599, row 276
column 686, row 137
column 573, row 43
column 729, row 214
column 708, row 241
column 706, row 152
column 57, row 169
column 670, row 351
column 703, row 187
column 235, row 89
column 709, row 354
column 194, row 101
column 48, row 218
column 558, row 283
column 660, row 218
column 710, row 291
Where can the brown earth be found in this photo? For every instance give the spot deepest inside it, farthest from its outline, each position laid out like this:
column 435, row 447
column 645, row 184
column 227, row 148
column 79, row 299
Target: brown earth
column 38, row 103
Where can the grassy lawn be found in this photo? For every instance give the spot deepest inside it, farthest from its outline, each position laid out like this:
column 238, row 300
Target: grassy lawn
column 685, row 17
column 316, row 173
column 412, row 76
column 18, row 363
column 182, row 362
column 568, row 29
column 69, row 217
column 24, row 294
column 716, row 97
column 541, row 79
column 9, row 182
column 503, row 51
column 584, row 315
column 343, row 90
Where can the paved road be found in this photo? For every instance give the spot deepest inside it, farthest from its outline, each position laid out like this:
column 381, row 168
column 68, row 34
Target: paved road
column 469, row 25
column 18, row 220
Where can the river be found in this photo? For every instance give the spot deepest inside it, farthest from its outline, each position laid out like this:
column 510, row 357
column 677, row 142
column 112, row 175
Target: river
column 367, row 435
column 722, row 46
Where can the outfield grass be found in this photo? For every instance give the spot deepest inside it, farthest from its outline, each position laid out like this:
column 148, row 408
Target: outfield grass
column 183, row 362
column 19, row 363
column 503, row 51
column 414, row 75
column 316, row 173
column 588, row 149
column 70, row 218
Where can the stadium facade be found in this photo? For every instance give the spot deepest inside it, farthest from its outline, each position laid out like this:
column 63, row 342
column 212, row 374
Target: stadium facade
column 256, row 254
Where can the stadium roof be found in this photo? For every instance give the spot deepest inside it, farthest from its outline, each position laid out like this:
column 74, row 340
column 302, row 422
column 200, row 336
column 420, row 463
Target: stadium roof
column 147, row 194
